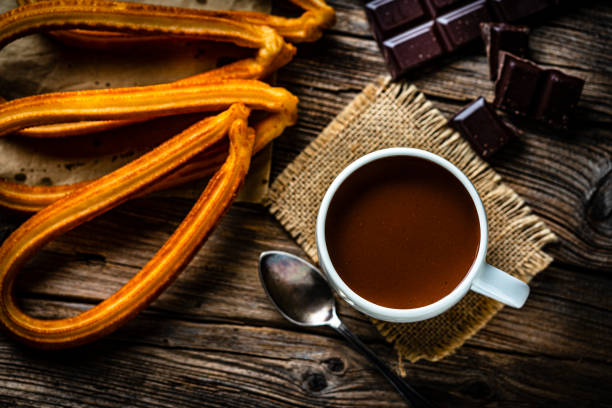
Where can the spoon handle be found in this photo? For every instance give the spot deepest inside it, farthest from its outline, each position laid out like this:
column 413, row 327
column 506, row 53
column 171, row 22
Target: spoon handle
column 406, row 391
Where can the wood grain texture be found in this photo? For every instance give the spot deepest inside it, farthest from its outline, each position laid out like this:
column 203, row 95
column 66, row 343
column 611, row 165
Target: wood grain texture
column 213, row 339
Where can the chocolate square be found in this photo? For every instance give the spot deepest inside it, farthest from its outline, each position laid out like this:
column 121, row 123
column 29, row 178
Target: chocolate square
column 503, row 37
column 411, row 48
column 560, row 95
column 516, row 87
column 479, row 124
column 462, row 25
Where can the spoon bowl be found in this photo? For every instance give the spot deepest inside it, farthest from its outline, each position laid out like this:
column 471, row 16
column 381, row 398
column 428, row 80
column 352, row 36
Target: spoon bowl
column 302, row 295
column 297, row 289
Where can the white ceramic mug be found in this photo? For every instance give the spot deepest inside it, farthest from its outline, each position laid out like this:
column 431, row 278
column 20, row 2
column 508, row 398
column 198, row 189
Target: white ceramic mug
column 481, row 277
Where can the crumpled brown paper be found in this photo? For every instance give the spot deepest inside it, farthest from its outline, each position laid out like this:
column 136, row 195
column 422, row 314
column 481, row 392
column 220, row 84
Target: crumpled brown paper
column 37, row 64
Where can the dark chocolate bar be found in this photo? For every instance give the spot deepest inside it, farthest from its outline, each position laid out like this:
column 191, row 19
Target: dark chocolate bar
column 479, row 124
column 524, row 88
column 412, row 32
column 503, row 37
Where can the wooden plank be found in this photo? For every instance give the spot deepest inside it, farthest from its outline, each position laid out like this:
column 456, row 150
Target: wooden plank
column 162, row 362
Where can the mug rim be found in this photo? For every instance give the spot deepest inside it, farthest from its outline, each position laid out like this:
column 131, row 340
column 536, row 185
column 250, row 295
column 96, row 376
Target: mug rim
column 383, row 312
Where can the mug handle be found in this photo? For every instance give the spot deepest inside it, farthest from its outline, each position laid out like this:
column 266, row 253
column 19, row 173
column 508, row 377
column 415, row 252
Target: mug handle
column 501, row 286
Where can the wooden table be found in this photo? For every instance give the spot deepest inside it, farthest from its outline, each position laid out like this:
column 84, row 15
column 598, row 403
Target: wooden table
column 214, row 339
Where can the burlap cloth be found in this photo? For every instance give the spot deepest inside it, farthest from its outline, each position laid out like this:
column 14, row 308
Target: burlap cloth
column 388, row 114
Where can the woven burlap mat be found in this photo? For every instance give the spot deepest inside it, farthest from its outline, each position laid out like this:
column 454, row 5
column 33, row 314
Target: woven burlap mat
column 388, row 114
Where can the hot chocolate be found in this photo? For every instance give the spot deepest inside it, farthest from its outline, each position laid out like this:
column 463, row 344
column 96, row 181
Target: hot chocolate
column 402, row 232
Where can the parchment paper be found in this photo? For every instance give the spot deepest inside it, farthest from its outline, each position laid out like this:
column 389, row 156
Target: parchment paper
column 38, row 64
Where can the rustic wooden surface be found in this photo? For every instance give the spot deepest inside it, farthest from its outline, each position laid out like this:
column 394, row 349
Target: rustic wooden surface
column 213, row 339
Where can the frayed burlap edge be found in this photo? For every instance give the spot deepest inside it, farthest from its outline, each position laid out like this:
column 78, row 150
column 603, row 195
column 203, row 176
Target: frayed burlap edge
column 501, row 203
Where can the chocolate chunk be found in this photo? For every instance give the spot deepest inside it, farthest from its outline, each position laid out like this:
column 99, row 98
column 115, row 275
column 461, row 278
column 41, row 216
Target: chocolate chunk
column 413, row 32
column 524, row 88
column 479, row 124
column 517, row 83
column 412, row 48
column 503, row 37
column 461, row 26
column 560, row 95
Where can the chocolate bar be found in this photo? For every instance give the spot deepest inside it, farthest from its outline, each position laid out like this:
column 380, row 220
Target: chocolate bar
column 413, row 32
column 524, row 88
column 479, row 124
column 503, row 37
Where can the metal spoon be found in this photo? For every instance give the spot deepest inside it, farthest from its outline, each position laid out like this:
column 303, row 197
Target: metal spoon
column 300, row 293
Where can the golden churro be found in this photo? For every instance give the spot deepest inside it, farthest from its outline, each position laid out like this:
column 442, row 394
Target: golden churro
column 107, row 192
column 193, row 153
